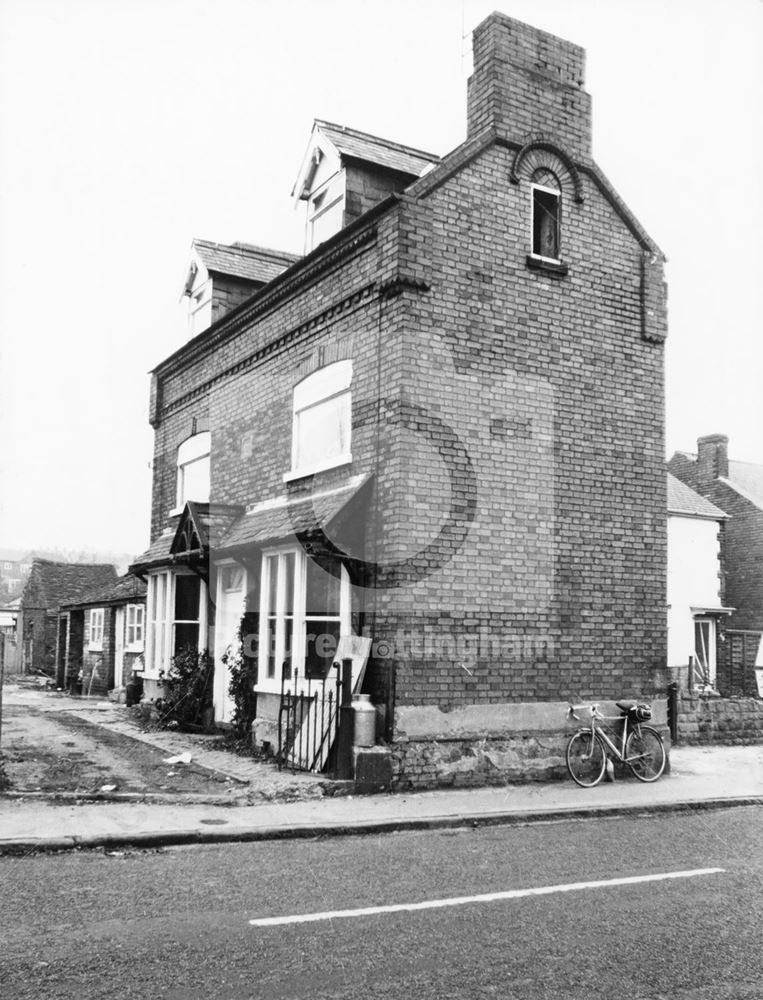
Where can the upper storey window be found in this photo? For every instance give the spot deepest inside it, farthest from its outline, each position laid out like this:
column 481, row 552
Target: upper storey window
column 193, row 469
column 546, row 215
column 326, row 211
column 322, row 421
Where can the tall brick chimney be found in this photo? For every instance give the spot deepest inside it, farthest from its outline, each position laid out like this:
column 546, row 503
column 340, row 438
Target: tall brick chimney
column 526, row 82
column 712, row 457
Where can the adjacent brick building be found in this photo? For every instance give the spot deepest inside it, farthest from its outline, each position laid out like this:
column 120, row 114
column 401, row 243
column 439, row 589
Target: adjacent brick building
column 49, row 585
column 442, row 429
column 737, row 489
column 101, row 637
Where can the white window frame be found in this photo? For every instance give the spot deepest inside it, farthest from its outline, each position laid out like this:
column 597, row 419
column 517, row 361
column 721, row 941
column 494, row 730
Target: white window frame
column 95, row 638
column 332, row 382
column 332, row 193
column 160, row 619
column 200, row 307
column 135, row 626
column 558, row 195
column 194, row 450
column 272, row 684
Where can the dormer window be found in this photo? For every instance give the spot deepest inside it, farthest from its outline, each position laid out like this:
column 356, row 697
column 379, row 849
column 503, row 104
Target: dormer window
column 193, row 470
column 322, row 421
column 326, row 212
column 546, row 215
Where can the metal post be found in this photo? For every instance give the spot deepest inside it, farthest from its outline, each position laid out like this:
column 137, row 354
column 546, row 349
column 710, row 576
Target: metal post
column 344, row 769
column 673, row 711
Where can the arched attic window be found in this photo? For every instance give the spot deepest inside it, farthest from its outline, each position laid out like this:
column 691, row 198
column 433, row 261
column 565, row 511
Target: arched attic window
column 193, row 468
column 322, row 420
column 546, row 214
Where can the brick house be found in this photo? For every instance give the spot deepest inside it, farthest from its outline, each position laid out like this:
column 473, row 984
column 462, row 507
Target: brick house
column 101, row 636
column 696, row 530
column 49, row 585
column 441, row 429
column 737, row 489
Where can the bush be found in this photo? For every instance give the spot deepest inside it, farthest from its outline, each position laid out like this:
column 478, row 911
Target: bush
column 188, row 683
column 243, row 677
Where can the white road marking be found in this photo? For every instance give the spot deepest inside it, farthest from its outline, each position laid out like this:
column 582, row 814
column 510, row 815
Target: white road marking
column 488, row 897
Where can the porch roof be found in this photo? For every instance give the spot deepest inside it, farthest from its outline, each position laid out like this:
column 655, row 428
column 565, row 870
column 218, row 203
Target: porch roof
column 188, row 537
column 288, row 515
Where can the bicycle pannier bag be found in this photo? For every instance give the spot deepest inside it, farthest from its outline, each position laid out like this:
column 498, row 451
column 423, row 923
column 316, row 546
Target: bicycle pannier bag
column 641, row 713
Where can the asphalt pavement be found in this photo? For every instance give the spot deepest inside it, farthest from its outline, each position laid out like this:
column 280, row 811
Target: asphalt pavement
column 700, row 779
column 648, row 906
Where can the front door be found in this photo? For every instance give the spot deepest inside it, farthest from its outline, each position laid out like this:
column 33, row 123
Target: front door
column 231, row 593
column 704, row 652
column 119, row 648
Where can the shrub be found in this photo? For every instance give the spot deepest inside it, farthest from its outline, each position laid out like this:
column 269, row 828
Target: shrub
column 243, row 677
column 188, row 690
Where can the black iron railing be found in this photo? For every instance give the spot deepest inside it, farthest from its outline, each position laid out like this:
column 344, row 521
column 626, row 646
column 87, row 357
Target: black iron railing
column 310, row 716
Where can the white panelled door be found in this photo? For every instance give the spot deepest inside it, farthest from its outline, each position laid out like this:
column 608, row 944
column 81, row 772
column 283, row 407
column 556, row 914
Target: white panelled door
column 231, row 594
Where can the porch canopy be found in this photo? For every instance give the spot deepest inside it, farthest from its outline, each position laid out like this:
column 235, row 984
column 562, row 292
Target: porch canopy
column 205, row 532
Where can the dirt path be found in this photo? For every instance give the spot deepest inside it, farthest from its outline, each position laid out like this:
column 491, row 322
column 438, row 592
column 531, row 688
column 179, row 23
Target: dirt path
column 62, row 752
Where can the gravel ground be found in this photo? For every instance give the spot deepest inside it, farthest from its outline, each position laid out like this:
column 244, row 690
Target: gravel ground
column 62, row 752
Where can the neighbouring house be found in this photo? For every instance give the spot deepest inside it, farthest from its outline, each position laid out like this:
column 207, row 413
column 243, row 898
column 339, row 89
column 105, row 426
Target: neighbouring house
column 695, row 586
column 9, row 658
column 15, row 565
column 102, row 637
column 737, row 489
column 49, row 585
column 441, row 430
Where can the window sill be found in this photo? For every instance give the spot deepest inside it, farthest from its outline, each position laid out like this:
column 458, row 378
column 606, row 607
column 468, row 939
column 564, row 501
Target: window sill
column 311, row 470
column 97, row 648
column 263, row 687
column 555, row 267
column 135, row 647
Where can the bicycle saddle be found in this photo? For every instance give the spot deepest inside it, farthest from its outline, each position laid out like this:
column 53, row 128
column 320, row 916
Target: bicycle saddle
column 626, row 706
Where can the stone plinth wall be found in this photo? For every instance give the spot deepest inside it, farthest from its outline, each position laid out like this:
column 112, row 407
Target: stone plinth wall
column 720, row 720
column 472, row 763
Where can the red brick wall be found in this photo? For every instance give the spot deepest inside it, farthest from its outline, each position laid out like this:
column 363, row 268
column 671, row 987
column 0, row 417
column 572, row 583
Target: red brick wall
column 512, row 417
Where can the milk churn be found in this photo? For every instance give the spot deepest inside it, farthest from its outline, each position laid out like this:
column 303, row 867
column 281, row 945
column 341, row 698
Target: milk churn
column 364, row 716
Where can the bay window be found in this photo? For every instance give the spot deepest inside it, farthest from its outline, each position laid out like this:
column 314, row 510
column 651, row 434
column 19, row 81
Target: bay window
column 304, row 608
column 176, row 613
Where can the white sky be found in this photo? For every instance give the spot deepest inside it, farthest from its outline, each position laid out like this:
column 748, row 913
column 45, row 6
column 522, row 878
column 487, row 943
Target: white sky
column 129, row 127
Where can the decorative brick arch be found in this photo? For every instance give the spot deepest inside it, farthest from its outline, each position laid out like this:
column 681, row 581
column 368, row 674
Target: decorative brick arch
column 539, row 153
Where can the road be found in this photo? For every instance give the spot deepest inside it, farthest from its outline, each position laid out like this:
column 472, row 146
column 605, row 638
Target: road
column 176, row 923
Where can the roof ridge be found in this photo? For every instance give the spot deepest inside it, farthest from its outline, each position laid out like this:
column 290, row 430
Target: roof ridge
column 248, row 247
column 377, row 138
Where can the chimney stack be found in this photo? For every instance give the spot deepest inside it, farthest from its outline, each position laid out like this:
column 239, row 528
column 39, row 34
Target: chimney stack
column 527, row 82
column 712, row 457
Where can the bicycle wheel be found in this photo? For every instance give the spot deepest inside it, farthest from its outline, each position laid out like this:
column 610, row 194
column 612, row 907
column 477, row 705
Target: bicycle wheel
column 586, row 758
column 645, row 744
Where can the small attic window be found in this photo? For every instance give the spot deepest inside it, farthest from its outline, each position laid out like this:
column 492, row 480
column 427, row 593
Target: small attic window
column 546, row 215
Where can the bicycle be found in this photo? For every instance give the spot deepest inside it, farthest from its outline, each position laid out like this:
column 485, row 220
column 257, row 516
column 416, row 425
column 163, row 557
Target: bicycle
column 641, row 747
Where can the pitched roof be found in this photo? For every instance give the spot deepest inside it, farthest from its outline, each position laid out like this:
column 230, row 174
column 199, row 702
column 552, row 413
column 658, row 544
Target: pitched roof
column 363, row 146
column 127, row 589
column 243, row 260
column 747, row 479
column 683, row 500
column 51, row 584
column 201, row 526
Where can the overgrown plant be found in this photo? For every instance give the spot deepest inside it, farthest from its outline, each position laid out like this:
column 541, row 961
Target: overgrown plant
column 242, row 671
column 188, row 700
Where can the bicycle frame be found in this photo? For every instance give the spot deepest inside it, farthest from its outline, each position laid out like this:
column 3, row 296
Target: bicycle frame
column 599, row 730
